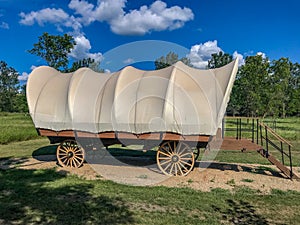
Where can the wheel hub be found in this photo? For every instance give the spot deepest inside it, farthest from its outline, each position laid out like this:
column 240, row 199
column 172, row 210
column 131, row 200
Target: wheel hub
column 70, row 154
column 175, row 158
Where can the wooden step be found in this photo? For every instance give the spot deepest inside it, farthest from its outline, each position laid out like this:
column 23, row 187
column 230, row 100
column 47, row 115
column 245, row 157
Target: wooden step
column 278, row 164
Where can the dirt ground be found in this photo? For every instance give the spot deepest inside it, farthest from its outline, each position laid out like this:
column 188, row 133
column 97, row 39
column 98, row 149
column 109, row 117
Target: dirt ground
column 204, row 177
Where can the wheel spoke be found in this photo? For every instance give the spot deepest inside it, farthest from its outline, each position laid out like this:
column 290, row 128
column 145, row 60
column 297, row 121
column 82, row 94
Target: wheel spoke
column 164, row 158
column 188, row 153
column 160, row 152
column 186, row 163
column 171, row 168
column 167, row 161
column 167, row 150
column 179, row 168
column 182, row 151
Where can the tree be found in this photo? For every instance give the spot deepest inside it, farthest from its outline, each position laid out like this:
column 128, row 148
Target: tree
column 219, row 59
column 280, row 73
column 8, row 87
column 293, row 106
column 251, row 91
column 89, row 63
column 170, row 59
column 20, row 101
column 54, row 49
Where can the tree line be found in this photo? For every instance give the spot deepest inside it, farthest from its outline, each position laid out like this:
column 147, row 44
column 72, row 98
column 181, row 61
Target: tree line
column 262, row 87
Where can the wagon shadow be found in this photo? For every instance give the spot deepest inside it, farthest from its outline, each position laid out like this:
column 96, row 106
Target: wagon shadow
column 33, row 197
column 262, row 170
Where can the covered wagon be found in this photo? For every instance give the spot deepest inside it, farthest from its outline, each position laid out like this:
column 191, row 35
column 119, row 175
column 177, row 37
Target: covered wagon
column 178, row 109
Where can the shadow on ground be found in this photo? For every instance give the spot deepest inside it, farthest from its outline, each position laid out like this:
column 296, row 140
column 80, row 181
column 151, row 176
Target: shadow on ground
column 262, row 170
column 45, row 197
column 240, row 212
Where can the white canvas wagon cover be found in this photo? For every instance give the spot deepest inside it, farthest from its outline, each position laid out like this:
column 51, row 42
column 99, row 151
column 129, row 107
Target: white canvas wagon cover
column 177, row 99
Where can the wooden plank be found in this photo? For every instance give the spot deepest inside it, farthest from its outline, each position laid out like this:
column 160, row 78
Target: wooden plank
column 51, row 133
column 278, row 164
column 123, row 135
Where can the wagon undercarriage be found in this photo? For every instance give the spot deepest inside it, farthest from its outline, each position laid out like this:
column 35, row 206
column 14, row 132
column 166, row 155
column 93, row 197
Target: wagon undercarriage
column 175, row 155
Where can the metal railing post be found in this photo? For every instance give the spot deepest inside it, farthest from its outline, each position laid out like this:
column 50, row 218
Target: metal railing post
column 240, row 128
column 282, row 154
column 291, row 166
column 237, row 128
column 267, row 140
column 257, row 131
column 261, row 135
column 252, row 130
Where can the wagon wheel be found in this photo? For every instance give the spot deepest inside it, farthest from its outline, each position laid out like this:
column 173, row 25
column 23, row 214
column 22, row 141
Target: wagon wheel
column 196, row 153
column 175, row 159
column 70, row 154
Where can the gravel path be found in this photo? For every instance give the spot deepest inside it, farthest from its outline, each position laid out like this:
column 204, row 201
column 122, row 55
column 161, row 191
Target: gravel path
column 218, row 175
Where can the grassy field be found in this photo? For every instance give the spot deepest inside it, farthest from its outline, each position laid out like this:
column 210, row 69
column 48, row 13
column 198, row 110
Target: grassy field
column 49, row 197
column 16, row 127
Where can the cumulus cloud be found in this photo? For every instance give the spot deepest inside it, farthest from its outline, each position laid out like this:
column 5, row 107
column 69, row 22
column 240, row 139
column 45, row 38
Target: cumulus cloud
column 82, row 48
column 240, row 57
column 156, row 17
column 201, row 53
column 49, row 15
column 262, row 54
column 23, row 76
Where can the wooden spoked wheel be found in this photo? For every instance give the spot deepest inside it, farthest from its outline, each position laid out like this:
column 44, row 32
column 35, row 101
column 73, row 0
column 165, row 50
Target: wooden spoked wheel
column 175, row 158
column 70, row 154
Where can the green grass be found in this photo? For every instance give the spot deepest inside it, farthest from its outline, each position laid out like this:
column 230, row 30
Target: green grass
column 16, row 127
column 48, row 197
column 27, row 148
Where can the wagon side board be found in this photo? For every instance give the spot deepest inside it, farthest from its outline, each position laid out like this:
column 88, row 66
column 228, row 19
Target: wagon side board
column 61, row 135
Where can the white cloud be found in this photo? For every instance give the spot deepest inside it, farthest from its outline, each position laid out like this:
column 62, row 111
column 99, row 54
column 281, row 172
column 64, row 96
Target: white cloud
column 262, row 54
column 156, row 17
column 128, row 61
column 23, row 76
column 240, row 57
column 201, row 53
column 43, row 16
column 4, row 25
column 82, row 48
column 50, row 15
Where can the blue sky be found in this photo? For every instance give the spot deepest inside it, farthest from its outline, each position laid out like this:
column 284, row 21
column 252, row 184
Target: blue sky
column 191, row 28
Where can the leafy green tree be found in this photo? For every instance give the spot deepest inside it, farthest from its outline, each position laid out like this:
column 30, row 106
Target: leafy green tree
column 8, row 87
column 20, row 101
column 90, row 63
column 54, row 49
column 219, row 59
column 168, row 60
column 293, row 106
column 280, row 73
column 252, row 87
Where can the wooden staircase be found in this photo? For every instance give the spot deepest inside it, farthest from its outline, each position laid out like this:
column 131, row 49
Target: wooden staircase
column 289, row 173
column 263, row 139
